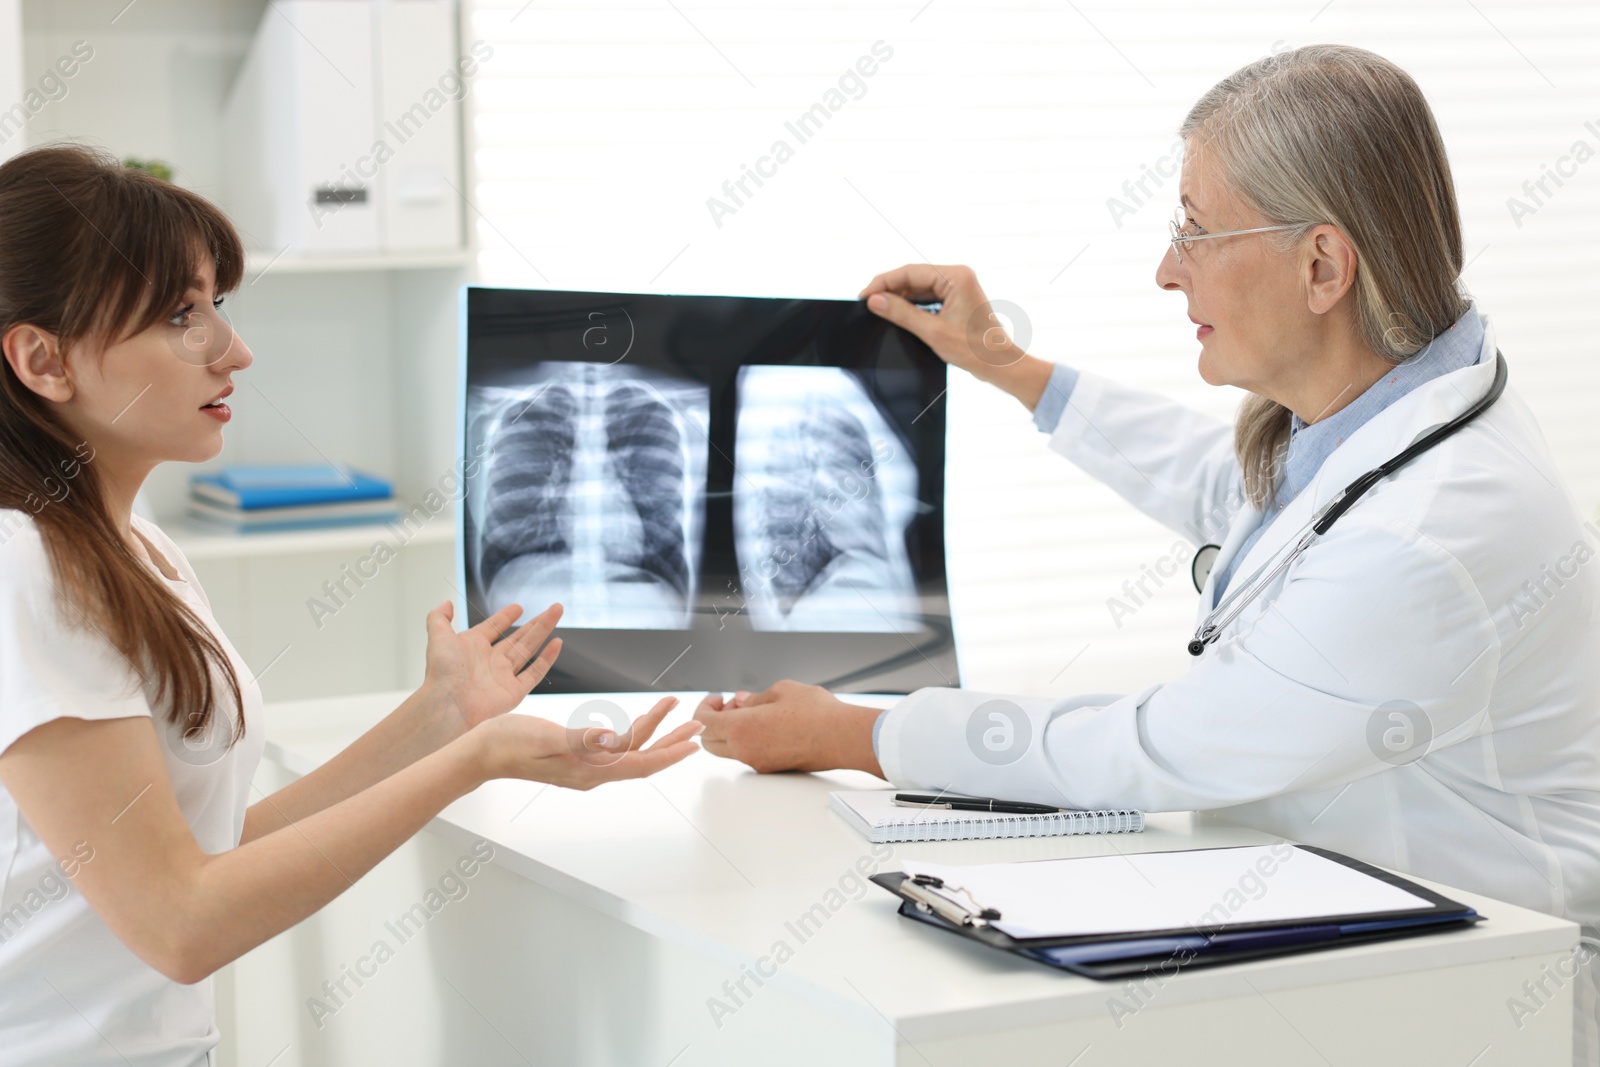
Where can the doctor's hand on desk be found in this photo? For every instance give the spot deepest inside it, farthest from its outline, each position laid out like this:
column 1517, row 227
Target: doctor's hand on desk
column 790, row 727
column 967, row 332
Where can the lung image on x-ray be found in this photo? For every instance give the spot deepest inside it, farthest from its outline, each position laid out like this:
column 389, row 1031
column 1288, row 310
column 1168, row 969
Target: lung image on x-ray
column 823, row 491
column 593, row 494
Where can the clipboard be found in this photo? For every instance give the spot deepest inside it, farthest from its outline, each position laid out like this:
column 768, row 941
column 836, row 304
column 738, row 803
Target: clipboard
column 1165, row 951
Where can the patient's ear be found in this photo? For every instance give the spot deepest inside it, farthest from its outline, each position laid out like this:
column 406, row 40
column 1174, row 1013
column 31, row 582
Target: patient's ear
column 35, row 358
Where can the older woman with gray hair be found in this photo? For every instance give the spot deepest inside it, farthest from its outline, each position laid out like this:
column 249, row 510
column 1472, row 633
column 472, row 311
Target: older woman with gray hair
column 1397, row 654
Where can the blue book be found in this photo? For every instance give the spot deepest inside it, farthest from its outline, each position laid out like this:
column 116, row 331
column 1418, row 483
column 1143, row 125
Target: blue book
column 250, row 487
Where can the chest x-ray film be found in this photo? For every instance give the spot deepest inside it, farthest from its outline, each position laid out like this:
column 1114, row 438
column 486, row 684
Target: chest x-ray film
column 720, row 491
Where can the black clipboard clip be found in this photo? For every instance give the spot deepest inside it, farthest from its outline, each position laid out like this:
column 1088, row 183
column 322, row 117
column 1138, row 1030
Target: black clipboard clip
column 930, row 893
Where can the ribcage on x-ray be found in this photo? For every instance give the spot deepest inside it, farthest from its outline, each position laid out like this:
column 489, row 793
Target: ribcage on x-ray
column 646, row 449
column 820, row 502
column 589, row 495
column 529, row 508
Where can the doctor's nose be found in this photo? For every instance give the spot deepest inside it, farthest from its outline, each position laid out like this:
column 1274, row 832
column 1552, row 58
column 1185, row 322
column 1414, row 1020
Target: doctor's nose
column 1170, row 274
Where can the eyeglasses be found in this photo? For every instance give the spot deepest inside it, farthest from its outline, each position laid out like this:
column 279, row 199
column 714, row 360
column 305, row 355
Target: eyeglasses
column 1182, row 241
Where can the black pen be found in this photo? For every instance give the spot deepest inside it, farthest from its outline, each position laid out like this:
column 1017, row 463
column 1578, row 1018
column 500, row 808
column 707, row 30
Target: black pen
column 1008, row 807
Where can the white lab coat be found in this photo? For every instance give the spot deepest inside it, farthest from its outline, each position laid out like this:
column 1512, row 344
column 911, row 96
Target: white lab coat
column 1465, row 585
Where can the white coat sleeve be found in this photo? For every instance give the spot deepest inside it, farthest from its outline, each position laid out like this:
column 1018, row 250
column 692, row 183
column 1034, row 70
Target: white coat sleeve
column 1375, row 618
column 1171, row 462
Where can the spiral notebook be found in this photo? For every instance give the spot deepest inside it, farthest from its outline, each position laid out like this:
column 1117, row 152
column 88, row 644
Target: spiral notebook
column 874, row 814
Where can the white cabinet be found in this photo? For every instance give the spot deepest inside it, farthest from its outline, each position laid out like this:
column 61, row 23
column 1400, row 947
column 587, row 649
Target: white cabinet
column 275, row 604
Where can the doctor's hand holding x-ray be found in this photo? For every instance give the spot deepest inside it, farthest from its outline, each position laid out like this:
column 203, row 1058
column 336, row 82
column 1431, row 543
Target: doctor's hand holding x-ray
column 1398, row 652
column 804, row 727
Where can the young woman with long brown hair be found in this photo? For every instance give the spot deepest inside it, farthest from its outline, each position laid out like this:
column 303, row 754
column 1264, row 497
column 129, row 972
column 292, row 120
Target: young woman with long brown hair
column 131, row 865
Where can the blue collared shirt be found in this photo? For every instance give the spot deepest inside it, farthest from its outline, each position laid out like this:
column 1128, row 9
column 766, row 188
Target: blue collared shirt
column 1309, row 444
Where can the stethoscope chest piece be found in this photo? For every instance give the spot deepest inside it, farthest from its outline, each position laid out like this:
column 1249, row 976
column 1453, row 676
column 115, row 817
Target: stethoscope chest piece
column 1205, row 557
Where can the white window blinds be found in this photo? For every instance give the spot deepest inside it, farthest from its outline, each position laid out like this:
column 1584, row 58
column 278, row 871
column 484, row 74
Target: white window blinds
column 608, row 141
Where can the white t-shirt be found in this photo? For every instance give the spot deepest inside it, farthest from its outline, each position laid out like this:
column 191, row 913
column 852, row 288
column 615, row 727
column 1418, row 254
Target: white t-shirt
column 70, row 991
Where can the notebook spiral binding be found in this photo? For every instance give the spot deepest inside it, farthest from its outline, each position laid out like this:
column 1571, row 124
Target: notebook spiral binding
column 924, row 828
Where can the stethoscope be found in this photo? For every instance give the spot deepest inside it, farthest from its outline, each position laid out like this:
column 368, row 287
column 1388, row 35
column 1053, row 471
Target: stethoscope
column 1204, row 558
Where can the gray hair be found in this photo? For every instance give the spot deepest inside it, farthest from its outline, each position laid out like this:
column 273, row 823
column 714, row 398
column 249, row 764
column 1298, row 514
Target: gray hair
column 1330, row 133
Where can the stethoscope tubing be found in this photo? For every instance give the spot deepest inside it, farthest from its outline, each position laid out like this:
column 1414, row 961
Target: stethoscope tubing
column 1224, row 613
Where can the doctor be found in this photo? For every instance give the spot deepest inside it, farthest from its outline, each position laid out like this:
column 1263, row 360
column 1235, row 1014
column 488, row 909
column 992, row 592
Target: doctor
column 1418, row 687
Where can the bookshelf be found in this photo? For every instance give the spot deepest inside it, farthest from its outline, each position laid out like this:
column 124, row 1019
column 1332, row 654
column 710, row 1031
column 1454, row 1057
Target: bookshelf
column 258, row 263
column 355, row 355
column 203, row 543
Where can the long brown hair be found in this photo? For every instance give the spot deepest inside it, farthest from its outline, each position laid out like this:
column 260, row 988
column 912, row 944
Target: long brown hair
column 93, row 252
column 1338, row 134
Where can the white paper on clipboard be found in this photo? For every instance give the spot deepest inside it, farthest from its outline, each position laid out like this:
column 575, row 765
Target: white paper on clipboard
column 1169, row 890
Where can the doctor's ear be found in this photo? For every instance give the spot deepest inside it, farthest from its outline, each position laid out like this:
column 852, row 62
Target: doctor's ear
column 36, row 359
column 1330, row 267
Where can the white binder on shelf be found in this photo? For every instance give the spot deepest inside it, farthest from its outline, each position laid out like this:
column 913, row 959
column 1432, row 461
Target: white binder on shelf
column 343, row 129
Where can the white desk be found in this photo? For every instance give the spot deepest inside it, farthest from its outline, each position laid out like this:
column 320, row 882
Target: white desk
column 609, row 920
